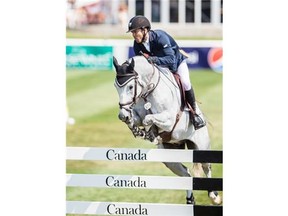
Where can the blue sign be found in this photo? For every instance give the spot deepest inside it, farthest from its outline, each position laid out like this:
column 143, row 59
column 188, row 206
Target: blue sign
column 198, row 56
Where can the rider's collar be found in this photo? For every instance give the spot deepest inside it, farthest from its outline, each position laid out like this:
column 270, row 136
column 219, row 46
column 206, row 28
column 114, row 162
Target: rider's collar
column 146, row 43
column 147, row 38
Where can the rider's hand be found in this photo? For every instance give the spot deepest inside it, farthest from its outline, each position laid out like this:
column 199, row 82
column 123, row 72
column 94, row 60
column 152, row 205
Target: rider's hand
column 146, row 55
column 152, row 59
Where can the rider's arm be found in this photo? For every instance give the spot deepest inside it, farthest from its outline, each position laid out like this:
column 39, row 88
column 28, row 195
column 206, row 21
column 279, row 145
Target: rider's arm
column 168, row 57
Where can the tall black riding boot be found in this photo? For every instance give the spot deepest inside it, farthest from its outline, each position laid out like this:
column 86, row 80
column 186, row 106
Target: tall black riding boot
column 197, row 121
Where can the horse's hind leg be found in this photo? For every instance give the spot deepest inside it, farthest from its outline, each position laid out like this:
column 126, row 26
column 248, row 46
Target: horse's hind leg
column 197, row 172
column 179, row 169
column 206, row 167
column 213, row 195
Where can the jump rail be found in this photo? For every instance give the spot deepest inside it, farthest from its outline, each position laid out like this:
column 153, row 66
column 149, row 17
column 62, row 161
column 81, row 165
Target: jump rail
column 151, row 209
column 138, row 154
column 142, row 182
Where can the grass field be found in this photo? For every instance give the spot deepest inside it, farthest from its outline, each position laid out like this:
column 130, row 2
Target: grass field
column 93, row 102
column 92, row 35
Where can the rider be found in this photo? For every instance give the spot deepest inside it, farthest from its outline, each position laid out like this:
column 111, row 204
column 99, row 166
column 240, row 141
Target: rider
column 161, row 49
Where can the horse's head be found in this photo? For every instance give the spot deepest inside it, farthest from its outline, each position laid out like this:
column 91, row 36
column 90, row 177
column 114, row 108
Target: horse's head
column 126, row 83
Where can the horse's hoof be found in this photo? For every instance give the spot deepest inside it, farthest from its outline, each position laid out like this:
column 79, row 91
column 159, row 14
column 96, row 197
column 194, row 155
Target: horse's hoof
column 147, row 121
column 190, row 201
column 215, row 198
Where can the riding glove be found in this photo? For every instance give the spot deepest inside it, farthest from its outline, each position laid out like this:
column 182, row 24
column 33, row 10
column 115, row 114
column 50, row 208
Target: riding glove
column 152, row 59
column 145, row 55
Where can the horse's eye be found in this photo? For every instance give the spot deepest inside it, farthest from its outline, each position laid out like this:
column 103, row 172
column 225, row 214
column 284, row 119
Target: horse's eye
column 130, row 87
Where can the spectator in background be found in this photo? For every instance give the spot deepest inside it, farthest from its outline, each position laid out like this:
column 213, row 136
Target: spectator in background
column 71, row 4
column 123, row 14
column 70, row 18
column 75, row 16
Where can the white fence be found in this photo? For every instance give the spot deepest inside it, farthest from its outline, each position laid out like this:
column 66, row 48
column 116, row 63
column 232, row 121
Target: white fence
column 141, row 182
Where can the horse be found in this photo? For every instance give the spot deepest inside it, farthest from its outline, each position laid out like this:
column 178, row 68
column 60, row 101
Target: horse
column 150, row 105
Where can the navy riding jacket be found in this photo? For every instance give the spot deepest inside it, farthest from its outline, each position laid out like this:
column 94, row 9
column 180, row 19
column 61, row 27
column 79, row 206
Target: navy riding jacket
column 164, row 47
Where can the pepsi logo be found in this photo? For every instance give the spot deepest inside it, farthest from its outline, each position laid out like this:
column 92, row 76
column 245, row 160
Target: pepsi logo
column 215, row 59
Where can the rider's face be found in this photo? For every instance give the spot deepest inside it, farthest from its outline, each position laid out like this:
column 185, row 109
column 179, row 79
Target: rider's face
column 138, row 34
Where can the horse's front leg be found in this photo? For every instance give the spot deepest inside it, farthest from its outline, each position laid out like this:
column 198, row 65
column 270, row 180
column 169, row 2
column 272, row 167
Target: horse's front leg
column 133, row 125
column 136, row 131
column 162, row 120
column 153, row 121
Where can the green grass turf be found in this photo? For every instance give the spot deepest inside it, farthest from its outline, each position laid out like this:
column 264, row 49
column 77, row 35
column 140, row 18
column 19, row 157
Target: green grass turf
column 78, row 34
column 93, row 101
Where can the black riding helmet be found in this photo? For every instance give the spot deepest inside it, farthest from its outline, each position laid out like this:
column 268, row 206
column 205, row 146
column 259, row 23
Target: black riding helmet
column 138, row 22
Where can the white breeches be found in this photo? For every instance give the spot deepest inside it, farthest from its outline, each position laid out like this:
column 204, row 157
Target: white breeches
column 183, row 72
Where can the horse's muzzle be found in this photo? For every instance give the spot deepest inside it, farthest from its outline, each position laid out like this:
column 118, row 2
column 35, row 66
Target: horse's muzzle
column 124, row 115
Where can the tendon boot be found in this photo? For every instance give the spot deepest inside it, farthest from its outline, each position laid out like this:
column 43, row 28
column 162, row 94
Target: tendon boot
column 197, row 121
column 151, row 134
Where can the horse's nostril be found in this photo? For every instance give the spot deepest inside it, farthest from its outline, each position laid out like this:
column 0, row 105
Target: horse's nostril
column 123, row 117
column 120, row 116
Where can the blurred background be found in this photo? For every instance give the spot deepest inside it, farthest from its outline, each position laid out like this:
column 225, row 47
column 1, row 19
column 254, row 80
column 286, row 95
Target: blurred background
column 203, row 17
column 95, row 32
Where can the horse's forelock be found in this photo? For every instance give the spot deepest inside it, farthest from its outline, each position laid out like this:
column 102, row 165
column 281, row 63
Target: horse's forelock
column 124, row 73
column 137, row 64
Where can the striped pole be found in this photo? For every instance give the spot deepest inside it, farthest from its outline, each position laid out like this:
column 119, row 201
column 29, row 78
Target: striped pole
column 143, row 182
column 143, row 155
column 151, row 209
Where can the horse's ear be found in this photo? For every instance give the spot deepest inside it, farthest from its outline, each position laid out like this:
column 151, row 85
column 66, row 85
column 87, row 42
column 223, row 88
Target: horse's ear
column 131, row 65
column 115, row 63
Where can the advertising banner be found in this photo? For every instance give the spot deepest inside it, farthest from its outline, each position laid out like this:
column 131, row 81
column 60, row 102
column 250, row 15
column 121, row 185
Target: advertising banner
column 200, row 57
column 92, row 57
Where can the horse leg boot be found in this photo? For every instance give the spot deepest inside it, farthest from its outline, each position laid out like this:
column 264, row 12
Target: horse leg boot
column 197, row 121
column 178, row 168
column 181, row 170
column 213, row 195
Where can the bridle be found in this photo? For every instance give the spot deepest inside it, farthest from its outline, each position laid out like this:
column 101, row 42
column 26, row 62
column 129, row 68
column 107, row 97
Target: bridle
column 134, row 77
column 144, row 91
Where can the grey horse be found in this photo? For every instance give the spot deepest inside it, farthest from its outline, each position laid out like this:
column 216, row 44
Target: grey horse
column 150, row 105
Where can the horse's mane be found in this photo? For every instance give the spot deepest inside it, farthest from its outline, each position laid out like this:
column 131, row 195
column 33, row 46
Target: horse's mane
column 137, row 65
column 141, row 63
column 127, row 70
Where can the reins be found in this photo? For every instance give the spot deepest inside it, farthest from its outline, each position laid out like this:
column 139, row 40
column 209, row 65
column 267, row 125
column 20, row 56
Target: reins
column 150, row 86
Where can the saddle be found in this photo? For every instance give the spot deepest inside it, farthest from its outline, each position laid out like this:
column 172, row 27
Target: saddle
column 182, row 91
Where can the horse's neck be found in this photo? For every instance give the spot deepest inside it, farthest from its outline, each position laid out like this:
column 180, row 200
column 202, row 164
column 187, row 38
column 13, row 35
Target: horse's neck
column 145, row 70
column 152, row 76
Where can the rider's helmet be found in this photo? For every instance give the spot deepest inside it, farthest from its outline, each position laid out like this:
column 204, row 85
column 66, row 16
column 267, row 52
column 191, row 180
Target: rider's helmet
column 138, row 22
